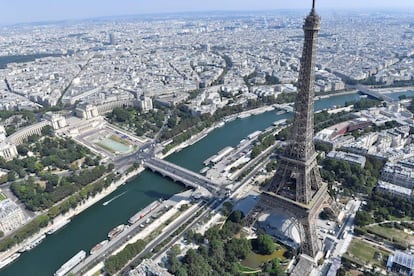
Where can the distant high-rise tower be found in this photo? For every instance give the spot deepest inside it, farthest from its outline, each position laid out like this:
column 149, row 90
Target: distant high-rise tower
column 297, row 186
column 112, row 39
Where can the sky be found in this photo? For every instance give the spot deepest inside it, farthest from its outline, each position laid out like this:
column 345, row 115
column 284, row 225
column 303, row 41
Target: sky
column 19, row 11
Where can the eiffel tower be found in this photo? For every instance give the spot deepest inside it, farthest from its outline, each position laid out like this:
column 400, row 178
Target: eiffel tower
column 297, row 187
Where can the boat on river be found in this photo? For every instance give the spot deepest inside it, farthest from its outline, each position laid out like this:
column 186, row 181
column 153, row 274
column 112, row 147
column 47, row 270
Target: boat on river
column 9, row 260
column 99, row 246
column 116, row 231
column 58, row 226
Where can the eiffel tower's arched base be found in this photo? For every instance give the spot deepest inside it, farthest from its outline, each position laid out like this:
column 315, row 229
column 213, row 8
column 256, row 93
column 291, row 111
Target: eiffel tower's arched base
column 305, row 215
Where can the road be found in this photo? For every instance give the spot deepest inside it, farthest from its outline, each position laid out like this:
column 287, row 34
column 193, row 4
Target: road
column 342, row 242
column 171, row 228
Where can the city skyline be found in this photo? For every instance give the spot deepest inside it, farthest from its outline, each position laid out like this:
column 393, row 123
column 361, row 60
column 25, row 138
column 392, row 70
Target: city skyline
column 261, row 108
column 25, row 11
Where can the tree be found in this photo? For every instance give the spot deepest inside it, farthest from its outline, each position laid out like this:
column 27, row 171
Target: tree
column 47, row 130
column 181, row 271
column 238, row 248
column 227, row 207
column 363, row 218
column 217, row 251
column 11, row 176
column 264, row 244
column 120, row 114
column 110, row 167
column 89, row 161
column 22, row 150
column 273, row 268
column 33, row 138
column 196, row 264
column 236, row 216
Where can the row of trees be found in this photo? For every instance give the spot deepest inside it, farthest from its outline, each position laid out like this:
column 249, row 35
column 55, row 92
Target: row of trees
column 116, row 262
column 43, row 220
column 37, row 196
column 324, row 119
column 263, row 142
column 382, row 207
column 184, row 125
column 364, row 103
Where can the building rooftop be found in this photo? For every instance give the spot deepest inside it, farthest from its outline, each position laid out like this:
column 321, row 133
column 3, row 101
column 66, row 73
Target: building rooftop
column 401, row 258
column 394, row 188
column 7, row 207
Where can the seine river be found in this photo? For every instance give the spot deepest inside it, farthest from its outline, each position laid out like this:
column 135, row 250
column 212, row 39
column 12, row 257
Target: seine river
column 92, row 226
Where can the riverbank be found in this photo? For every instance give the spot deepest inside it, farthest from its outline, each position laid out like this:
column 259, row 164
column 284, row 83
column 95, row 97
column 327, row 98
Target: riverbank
column 385, row 90
column 73, row 212
column 317, row 97
column 195, row 138
column 389, row 90
column 160, row 224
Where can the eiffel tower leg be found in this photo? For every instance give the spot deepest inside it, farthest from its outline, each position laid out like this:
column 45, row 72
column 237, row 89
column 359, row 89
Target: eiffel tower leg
column 315, row 176
column 253, row 215
column 309, row 238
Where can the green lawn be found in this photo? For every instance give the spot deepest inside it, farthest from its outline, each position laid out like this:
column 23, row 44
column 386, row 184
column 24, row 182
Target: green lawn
column 106, row 147
column 392, row 233
column 2, row 196
column 364, row 253
column 120, row 140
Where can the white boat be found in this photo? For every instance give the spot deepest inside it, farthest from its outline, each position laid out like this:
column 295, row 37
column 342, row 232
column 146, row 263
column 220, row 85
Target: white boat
column 112, row 199
column 99, row 246
column 143, row 212
column 9, row 260
column 242, row 116
column 204, row 170
column 33, row 244
column 66, row 267
column 116, row 231
column 58, row 226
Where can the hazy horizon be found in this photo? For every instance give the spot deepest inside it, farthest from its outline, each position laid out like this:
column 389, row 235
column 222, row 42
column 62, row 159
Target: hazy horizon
column 26, row 11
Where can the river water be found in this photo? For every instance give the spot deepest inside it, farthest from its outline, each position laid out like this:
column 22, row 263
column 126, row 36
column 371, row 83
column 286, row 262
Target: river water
column 92, row 225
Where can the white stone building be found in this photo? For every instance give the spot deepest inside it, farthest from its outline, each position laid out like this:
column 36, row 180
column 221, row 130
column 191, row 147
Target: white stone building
column 7, row 150
column 56, row 120
column 87, row 111
column 145, row 103
column 11, row 216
